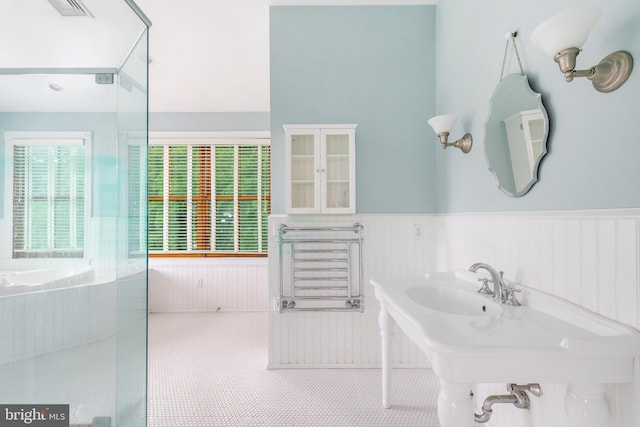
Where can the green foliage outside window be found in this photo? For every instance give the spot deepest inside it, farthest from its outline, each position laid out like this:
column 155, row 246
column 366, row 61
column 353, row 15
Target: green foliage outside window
column 226, row 188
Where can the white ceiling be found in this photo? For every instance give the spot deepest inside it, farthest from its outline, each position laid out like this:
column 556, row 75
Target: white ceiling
column 208, row 55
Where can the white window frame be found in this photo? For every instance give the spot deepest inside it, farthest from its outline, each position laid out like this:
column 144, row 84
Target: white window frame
column 13, row 138
column 196, row 138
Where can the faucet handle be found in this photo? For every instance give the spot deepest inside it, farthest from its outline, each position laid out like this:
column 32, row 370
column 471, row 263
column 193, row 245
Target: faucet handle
column 533, row 388
column 485, row 286
column 510, row 296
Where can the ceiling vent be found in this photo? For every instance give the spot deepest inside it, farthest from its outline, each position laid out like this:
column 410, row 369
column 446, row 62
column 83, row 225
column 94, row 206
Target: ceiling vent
column 71, row 8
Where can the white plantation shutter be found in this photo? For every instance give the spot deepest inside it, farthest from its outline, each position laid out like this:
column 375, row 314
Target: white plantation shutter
column 209, row 198
column 48, row 198
column 225, row 190
column 177, row 178
column 254, row 206
column 155, row 178
column 137, row 194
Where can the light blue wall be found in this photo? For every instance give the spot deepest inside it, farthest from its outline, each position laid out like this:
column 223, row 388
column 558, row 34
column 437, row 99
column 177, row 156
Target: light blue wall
column 594, row 152
column 369, row 65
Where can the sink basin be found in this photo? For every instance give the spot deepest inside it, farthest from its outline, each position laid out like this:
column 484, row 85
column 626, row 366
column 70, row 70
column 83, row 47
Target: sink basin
column 469, row 338
column 547, row 339
column 453, row 301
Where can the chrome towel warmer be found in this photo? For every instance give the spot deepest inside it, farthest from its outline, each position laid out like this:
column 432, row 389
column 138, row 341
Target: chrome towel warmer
column 320, row 268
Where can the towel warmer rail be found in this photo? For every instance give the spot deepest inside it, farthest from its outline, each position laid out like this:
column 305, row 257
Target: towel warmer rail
column 320, row 268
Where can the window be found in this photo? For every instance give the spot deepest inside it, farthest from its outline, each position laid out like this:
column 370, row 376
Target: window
column 137, row 195
column 48, row 195
column 209, row 197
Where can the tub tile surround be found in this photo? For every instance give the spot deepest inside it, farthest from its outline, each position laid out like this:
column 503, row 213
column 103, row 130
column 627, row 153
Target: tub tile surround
column 591, row 258
column 35, row 324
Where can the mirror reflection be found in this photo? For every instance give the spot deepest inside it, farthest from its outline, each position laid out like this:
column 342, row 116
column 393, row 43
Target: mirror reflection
column 516, row 135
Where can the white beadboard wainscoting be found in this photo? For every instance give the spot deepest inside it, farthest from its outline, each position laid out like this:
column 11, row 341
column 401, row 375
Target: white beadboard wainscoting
column 591, row 258
column 394, row 245
column 207, row 284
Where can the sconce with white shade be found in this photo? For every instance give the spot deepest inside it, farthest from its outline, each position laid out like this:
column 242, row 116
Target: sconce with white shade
column 442, row 126
column 562, row 37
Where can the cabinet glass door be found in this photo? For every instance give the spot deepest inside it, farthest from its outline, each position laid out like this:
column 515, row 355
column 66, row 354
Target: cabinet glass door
column 337, row 178
column 536, row 134
column 303, row 172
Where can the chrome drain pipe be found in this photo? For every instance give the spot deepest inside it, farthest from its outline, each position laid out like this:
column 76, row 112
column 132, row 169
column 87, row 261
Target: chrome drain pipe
column 518, row 397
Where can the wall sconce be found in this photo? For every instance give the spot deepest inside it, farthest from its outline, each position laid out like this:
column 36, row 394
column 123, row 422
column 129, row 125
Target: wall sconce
column 442, row 126
column 563, row 35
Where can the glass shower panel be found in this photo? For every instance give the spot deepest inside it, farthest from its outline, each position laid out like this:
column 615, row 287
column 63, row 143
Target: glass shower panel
column 73, row 209
column 131, row 243
column 58, row 296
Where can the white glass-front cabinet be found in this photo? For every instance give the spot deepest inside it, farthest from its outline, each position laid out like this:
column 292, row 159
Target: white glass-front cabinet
column 320, row 168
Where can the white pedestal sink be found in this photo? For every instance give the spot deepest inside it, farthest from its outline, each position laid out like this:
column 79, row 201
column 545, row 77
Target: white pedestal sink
column 470, row 338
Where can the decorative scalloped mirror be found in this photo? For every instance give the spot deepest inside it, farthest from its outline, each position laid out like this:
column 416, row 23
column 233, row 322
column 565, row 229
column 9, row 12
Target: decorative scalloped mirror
column 516, row 135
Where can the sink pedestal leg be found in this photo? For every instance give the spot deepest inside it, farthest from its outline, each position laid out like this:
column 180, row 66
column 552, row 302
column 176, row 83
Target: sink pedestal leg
column 455, row 407
column 386, row 333
column 586, row 405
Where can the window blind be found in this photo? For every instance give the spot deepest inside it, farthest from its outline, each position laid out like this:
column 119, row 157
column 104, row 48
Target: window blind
column 137, row 194
column 48, row 195
column 209, row 198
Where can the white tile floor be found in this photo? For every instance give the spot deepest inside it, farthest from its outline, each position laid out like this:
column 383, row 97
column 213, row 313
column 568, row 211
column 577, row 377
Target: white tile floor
column 208, row 369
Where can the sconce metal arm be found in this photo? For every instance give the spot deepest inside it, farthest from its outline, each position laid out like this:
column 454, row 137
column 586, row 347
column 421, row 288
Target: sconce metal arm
column 465, row 143
column 607, row 76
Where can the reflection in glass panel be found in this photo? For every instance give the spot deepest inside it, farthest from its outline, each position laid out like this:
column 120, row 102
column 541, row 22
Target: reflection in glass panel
column 521, row 145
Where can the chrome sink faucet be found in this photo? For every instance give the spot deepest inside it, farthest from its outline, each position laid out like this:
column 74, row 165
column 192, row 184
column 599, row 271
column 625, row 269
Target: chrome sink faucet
column 496, row 277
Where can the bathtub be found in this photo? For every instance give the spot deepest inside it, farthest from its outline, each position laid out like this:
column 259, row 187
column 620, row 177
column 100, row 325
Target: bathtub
column 44, row 279
column 46, row 310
